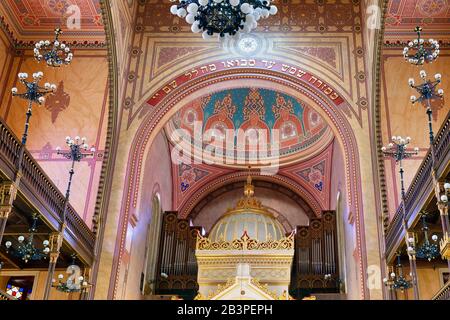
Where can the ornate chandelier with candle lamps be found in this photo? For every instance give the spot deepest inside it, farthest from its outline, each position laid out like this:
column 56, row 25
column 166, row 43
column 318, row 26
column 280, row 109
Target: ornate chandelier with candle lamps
column 223, row 17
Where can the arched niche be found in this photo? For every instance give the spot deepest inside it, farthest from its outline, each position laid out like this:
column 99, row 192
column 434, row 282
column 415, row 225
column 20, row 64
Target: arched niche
column 289, row 84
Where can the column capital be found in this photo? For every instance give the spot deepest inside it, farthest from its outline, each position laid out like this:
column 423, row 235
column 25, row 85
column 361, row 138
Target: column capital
column 8, row 193
column 443, row 208
column 55, row 242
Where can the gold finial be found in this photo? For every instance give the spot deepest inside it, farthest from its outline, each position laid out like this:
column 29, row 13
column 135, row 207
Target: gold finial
column 249, row 189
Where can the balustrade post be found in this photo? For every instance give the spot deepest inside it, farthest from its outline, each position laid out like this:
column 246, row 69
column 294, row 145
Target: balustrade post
column 55, row 240
column 8, row 192
column 410, row 242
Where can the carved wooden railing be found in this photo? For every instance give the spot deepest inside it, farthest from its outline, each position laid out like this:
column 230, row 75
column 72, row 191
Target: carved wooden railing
column 39, row 189
column 420, row 188
column 443, row 293
column 5, row 296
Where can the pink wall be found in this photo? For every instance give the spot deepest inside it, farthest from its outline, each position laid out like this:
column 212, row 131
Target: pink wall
column 158, row 180
column 278, row 203
column 345, row 223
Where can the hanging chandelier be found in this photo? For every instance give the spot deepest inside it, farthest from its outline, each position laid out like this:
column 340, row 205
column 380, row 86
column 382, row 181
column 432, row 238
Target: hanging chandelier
column 427, row 250
column 74, row 283
column 398, row 281
column 54, row 53
column 424, row 51
column 26, row 249
column 223, row 17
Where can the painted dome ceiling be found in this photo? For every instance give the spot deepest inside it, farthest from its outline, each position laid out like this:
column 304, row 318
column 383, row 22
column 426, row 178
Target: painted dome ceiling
column 301, row 131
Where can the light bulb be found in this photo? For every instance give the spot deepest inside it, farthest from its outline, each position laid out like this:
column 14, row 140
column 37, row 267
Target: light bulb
column 196, row 27
column 45, row 243
column 8, row 244
column 77, row 138
column 434, row 237
column 53, row 87
column 413, row 98
column 440, row 92
column 67, row 138
column 411, row 82
column 273, row 10
column 408, row 139
column 444, row 198
column 393, row 274
column 21, row 239
column 234, row 3
column 245, row 8
column 81, row 279
column 83, row 139
column 14, row 90
column 190, row 18
column 192, row 8
column 447, row 186
column 181, row 12
column 41, row 100
column 203, row 2
column 423, row 74
column 46, row 250
column 174, row 9
column 416, row 149
column 438, row 76
column 60, row 276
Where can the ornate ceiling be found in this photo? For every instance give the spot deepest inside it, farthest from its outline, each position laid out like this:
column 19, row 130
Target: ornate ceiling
column 29, row 19
column 302, row 132
column 403, row 15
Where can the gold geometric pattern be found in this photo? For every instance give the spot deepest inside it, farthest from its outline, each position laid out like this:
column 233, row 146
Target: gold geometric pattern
column 245, row 243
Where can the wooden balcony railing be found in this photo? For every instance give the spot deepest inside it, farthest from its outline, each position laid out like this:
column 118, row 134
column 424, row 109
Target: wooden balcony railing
column 38, row 188
column 421, row 187
column 444, row 293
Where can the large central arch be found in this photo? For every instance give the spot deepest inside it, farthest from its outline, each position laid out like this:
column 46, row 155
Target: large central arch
column 286, row 82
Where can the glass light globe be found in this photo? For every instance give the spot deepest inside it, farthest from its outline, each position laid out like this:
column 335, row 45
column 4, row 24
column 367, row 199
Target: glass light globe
column 423, row 74
column 92, row 149
column 440, row 92
column 245, row 8
column 81, row 279
column 41, row 99
column 174, row 9
column 46, row 250
column 392, row 274
column 434, row 237
column 411, row 81
column 46, row 243
column 413, row 98
column 8, row 244
column 190, row 18
column 273, row 10
column 181, row 12
column 447, row 186
column 21, row 238
column 444, row 198
column 14, row 90
column 60, row 276
column 438, row 76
